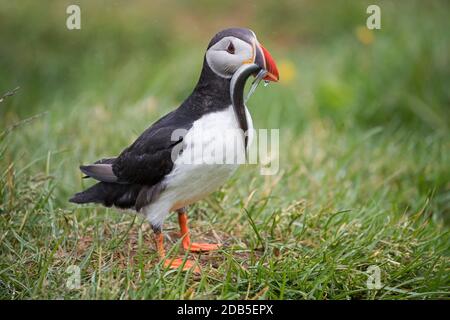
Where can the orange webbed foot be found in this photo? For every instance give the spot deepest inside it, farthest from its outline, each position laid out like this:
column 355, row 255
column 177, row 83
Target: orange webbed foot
column 178, row 262
column 201, row 247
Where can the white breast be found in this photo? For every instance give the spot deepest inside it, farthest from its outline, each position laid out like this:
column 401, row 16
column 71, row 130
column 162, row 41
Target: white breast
column 212, row 149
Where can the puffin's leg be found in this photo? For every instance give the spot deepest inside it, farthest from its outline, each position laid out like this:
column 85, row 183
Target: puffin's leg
column 174, row 263
column 186, row 241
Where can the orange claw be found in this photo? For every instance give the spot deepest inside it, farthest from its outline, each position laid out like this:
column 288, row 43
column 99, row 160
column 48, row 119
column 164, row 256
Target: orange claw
column 178, row 262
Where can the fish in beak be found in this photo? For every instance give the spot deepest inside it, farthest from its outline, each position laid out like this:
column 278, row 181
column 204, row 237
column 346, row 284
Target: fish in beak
column 264, row 66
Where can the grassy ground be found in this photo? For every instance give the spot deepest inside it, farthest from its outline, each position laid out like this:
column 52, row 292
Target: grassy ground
column 364, row 157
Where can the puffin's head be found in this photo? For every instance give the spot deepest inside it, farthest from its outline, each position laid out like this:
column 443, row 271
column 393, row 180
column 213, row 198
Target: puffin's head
column 233, row 48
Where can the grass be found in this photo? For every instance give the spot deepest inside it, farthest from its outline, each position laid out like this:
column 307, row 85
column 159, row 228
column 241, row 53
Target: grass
column 364, row 152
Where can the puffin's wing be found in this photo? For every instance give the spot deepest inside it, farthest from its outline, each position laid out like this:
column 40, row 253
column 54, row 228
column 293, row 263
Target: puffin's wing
column 149, row 158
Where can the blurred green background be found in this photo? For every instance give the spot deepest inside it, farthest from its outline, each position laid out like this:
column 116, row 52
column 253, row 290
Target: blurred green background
column 331, row 64
column 363, row 114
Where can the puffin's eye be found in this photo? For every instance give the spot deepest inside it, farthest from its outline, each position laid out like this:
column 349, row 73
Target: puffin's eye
column 230, row 48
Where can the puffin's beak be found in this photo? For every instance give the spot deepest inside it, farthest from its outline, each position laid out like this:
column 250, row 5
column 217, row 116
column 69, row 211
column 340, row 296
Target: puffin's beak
column 264, row 59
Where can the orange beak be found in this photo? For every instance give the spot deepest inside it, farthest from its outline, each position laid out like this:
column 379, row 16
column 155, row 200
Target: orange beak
column 269, row 65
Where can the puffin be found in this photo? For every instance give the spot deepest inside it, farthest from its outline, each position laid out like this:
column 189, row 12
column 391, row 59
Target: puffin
column 191, row 151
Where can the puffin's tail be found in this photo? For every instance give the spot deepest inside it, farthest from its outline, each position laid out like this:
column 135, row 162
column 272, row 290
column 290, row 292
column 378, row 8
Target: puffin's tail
column 109, row 194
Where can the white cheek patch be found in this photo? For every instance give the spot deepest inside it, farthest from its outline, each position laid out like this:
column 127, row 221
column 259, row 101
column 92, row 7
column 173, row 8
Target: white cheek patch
column 224, row 63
